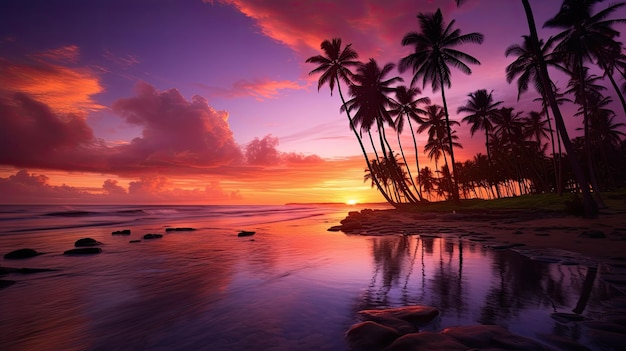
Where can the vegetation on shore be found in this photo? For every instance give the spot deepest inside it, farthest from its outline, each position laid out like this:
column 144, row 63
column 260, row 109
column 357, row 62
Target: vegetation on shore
column 526, row 153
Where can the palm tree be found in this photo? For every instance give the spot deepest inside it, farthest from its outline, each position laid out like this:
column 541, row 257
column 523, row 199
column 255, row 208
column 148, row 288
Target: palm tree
column 481, row 109
column 584, row 37
column 370, row 91
column 590, row 207
column 433, row 54
column 335, row 68
column 535, row 126
column 406, row 104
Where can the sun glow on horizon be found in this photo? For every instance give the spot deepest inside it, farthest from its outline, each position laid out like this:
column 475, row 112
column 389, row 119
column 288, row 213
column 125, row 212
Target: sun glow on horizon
column 351, row 202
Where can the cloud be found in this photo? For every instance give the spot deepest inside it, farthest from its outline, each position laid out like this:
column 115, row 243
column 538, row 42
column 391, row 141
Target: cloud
column 63, row 54
column 260, row 89
column 176, row 132
column 31, row 133
column 377, row 26
column 111, row 187
column 263, row 152
column 63, row 89
column 24, row 187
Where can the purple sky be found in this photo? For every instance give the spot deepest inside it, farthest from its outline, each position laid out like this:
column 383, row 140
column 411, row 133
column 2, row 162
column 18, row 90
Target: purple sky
column 161, row 100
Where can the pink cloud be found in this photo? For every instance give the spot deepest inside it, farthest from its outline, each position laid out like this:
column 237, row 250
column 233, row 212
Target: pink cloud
column 176, row 132
column 24, row 187
column 377, row 26
column 111, row 187
column 260, row 89
column 264, row 152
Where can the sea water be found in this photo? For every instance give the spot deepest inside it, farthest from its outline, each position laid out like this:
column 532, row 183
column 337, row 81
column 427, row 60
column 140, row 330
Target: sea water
column 291, row 286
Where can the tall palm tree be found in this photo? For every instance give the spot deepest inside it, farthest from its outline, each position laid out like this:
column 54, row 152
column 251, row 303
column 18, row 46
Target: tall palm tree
column 370, row 90
column 590, row 206
column 584, row 37
column 335, row 68
column 406, row 106
column 433, row 55
column 482, row 109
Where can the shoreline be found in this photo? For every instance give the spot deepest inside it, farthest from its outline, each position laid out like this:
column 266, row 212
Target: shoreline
column 603, row 237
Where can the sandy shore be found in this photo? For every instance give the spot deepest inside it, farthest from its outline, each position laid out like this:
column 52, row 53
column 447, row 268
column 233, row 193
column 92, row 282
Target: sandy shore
column 604, row 237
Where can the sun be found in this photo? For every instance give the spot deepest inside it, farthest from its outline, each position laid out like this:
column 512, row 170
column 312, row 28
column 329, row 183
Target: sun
column 352, row 202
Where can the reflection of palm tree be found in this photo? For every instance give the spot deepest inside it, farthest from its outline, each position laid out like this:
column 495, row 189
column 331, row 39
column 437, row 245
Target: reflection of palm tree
column 431, row 59
column 481, row 109
column 335, row 68
column 406, row 105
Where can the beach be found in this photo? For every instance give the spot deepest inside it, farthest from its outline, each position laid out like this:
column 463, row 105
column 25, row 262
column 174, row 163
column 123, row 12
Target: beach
column 293, row 284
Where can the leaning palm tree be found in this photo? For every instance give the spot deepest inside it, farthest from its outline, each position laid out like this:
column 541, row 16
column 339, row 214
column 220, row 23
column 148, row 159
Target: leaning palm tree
column 482, row 109
column 406, row 106
column 584, row 37
column 335, row 68
column 433, row 55
column 370, row 90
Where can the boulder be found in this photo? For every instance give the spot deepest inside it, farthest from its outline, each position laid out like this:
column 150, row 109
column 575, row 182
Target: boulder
column 371, row 335
column 21, row 254
column 134, row 241
column 152, row 236
column 414, row 315
column 425, row 341
column 84, row 251
column 492, row 336
column 86, row 242
column 246, row 233
column 184, row 229
column 121, row 232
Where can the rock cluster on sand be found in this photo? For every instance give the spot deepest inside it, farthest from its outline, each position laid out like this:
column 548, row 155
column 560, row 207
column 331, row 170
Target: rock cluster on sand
column 152, row 236
column 397, row 329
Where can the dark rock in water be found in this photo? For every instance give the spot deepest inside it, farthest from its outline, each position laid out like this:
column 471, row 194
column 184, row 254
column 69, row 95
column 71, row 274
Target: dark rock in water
column 152, row 236
column 135, row 241
column 121, row 232
column 593, row 234
column 86, row 242
column 6, row 283
column 246, row 233
column 518, row 232
column 416, row 314
column 179, row 229
column 426, row 341
column 21, row 254
column 335, row 228
column 7, row 270
column 371, row 335
column 84, row 251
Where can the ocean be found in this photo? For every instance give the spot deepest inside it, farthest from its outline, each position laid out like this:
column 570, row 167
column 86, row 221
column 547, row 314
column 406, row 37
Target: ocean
column 293, row 285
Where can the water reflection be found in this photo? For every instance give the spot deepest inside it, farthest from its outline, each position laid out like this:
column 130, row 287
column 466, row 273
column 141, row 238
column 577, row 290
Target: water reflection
column 472, row 284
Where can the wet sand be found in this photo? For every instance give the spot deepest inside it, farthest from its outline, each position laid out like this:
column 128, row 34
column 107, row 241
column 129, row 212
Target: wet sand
column 603, row 237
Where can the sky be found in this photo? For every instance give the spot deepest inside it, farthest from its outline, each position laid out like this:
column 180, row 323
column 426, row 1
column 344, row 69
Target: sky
column 211, row 102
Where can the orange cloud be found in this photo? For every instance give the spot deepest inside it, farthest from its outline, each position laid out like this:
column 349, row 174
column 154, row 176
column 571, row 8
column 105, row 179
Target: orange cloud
column 260, row 89
column 63, row 89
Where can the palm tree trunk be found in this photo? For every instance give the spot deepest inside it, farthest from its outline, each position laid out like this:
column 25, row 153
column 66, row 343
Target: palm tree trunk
column 417, row 162
column 559, row 190
column 455, row 186
column 590, row 206
column 617, row 89
column 408, row 169
column 490, row 163
column 590, row 168
column 358, row 138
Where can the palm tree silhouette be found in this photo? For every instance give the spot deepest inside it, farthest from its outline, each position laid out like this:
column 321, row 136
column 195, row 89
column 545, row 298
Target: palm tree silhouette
column 369, row 90
column 406, row 106
column 334, row 69
column 482, row 109
column 431, row 60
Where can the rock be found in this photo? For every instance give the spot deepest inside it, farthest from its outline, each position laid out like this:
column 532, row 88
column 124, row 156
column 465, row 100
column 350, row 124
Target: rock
column 152, row 236
column 21, row 254
column 425, row 341
column 335, row 228
column 183, row 229
column 246, row 233
column 84, row 251
column 593, row 234
column 121, row 232
column 135, row 241
column 419, row 315
column 518, row 232
column 492, row 336
column 371, row 335
column 6, row 283
column 86, row 242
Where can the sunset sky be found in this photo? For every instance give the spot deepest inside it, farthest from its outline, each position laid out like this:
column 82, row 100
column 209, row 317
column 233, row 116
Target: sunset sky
column 210, row 102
